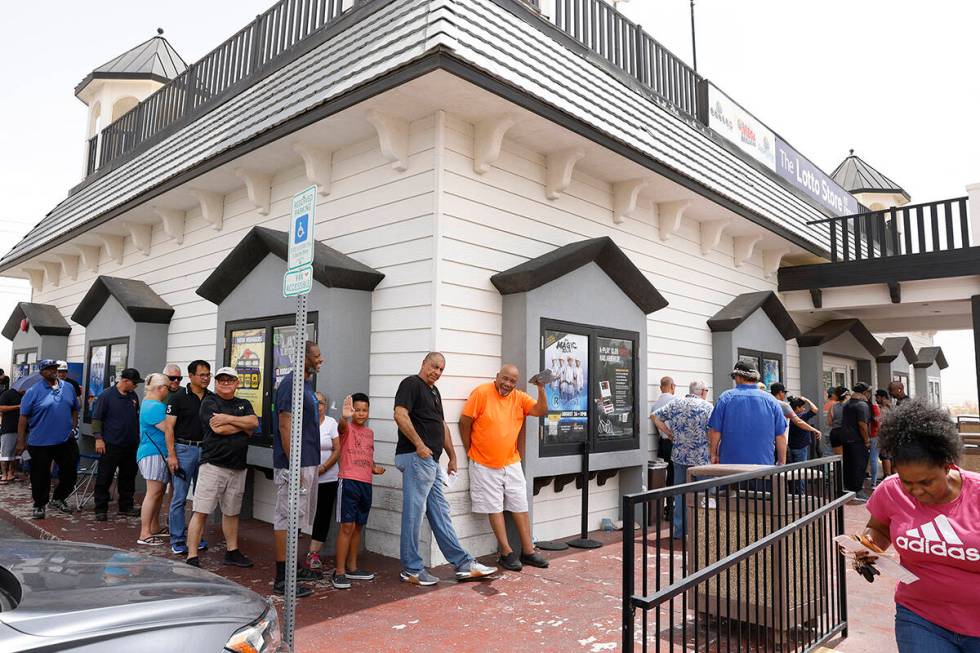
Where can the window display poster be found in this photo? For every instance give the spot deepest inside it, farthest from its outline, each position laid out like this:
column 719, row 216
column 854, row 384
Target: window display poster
column 567, row 356
column 615, row 399
column 96, row 374
column 283, row 346
column 247, row 357
column 118, row 353
column 770, row 371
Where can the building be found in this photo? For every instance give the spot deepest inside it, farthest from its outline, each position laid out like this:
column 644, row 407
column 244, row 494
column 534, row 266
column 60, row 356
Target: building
column 497, row 180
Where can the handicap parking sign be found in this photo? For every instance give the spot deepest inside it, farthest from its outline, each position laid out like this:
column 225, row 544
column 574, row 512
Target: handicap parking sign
column 302, row 228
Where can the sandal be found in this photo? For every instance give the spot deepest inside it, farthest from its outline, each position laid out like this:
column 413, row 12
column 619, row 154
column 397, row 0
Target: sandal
column 153, row 540
column 163, row 532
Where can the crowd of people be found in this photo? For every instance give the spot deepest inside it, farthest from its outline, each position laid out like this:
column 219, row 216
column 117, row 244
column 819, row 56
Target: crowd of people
column 194, row 441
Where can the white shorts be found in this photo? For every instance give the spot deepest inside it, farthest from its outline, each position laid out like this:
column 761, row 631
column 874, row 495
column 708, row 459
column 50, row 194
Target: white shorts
column 307, row 497
column 495, row 490
column 154, row 468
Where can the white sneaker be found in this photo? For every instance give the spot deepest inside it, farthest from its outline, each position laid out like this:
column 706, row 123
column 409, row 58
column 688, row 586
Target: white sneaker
column 474, row 570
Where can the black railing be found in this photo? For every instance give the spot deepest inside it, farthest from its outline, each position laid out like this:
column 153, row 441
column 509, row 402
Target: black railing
column 93, row 153
column 757, row 570
column 605, row 31
column 901, row 231
column 236, row 61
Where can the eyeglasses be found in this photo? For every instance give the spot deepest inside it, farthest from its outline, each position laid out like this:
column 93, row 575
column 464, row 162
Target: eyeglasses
column 175, row 378
column 226, row 380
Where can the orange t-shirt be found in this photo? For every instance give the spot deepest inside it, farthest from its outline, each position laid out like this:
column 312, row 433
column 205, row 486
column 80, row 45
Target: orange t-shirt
column 497, row 422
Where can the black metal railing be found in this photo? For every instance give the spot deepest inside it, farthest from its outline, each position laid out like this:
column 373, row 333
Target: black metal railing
column 900, row 231
column 93, row 153
column 232, row 64
column 757, row 570
column 599, row 27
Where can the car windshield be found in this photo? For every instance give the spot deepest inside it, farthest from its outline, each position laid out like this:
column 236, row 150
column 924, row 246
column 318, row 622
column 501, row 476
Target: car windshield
column 10, row 591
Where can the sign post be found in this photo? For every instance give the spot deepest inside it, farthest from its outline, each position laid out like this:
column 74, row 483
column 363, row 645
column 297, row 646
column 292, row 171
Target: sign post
column 297, row 282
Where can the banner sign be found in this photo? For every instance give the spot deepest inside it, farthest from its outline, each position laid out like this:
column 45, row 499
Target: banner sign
column 740, row 128
column 797, row 170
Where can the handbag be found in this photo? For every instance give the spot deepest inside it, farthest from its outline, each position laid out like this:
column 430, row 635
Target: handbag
column 179, row 473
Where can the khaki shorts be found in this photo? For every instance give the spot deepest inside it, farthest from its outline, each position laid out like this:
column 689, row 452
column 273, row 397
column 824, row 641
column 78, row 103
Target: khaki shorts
column 495, row 490
column 307, row 497
column 219, row 486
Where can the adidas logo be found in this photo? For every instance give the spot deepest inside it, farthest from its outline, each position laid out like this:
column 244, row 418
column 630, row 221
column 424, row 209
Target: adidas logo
column 938, row 538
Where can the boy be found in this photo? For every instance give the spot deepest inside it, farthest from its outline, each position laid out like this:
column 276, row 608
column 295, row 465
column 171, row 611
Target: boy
column 354, row 493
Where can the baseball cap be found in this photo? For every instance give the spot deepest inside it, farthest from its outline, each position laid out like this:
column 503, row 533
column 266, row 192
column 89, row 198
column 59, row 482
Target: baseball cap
column 226, row 371
column 861, row 386
column 131, row 374
column 46, row 363
column 63, row 365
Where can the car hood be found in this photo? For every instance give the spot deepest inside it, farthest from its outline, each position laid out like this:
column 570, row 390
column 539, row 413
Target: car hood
column 72, row 588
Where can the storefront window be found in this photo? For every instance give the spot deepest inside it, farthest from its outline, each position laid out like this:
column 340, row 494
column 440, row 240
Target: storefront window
column 260, row 366
column 934, row 391
column 25, row 363
column 769, row 365
column 593, row 390
column 106, row 360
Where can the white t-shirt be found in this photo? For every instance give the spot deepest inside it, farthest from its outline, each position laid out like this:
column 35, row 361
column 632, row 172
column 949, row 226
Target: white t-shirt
column 328, row 435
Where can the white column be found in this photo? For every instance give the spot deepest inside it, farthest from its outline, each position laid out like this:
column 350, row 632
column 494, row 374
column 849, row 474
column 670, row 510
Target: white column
column 973, row 191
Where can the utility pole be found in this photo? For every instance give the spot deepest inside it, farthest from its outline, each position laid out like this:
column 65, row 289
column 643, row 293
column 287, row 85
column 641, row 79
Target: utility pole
column 694, row 42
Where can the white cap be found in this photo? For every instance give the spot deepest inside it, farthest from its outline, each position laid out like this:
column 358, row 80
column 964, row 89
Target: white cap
column 226, row 371
column 63, row 365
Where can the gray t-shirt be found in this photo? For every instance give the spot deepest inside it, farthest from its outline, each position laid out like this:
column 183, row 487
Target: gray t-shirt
column 787, row 409
column 837, row 415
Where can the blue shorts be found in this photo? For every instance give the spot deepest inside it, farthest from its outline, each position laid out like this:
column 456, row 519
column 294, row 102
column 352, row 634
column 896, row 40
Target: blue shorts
column 353, row 502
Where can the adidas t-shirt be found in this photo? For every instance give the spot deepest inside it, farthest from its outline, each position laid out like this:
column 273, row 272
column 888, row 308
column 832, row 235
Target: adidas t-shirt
column 941, row 545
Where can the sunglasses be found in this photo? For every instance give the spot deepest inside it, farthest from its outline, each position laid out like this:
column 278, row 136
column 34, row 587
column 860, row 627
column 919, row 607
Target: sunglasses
column 175, row 378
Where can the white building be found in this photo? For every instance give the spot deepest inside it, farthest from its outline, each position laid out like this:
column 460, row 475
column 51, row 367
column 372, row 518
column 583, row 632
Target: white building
column 493, row 180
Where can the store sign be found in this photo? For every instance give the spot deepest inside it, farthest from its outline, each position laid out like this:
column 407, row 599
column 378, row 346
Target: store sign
column 797, row 170
column 567, row 356
column 739, row 127
column 247, row 357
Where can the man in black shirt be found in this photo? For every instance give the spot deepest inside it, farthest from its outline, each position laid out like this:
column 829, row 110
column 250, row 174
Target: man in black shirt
column 184, row 417
column 422, row 437
column 9, row 415
column 227, row 422
column 856, row 438
column 63, row 375
column 115, row 425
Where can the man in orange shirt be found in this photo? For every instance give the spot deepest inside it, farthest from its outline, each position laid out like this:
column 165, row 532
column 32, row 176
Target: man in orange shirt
column 492, row 429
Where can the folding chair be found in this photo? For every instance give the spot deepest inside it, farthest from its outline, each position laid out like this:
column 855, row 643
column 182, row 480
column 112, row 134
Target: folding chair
column 88, row 470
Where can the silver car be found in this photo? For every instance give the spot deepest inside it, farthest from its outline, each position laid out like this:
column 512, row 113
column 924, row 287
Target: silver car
column 65, row 596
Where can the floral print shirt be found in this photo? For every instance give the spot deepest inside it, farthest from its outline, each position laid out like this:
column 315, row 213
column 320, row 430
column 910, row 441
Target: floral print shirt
column 687, row 419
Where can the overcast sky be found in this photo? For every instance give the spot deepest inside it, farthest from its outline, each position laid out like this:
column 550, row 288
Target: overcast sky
column 897, row 81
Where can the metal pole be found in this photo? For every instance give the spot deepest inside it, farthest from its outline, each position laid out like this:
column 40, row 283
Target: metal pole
column 295, row 446
column 583, row 541
column 694, row 43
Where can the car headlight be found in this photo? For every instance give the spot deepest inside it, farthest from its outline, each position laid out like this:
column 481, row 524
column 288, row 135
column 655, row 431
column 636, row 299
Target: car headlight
column 260, row 636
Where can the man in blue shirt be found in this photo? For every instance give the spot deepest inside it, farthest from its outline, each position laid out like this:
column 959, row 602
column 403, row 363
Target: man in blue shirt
column 115, row 425
column 309, row 461
column 747, row 425
column 48, row 417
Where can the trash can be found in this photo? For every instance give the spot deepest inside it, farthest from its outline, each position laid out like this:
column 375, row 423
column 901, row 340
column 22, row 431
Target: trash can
column 656, row 479
column 737, row 516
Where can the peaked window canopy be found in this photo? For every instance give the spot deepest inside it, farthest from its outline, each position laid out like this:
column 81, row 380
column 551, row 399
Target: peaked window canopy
column 330, row 268
column 536, row 272
column 45, row 318
column 739, row 309
column 929, row 356
column 895, row 346
column 834, row 328
column 137, row 299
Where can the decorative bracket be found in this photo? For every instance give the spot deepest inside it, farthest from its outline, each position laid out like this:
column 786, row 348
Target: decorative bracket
column 816, row 296
column 69, row 265
column 559, row 174
column 90, row 256
column 711, row 234
column 670, row 216
column 744, row 246
column 52, row 272
column 392, row 138
column 141, row 234
column 895, row 292
column 771, row 258
column 488, row 139
column 36, row 277
column 212, row 206
column 259, row 187
column 113, row 247
column 319, row 166
column 173, row 222
column 626, row 194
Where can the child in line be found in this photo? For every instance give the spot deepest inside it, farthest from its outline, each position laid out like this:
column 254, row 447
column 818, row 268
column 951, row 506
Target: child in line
column 354, row 492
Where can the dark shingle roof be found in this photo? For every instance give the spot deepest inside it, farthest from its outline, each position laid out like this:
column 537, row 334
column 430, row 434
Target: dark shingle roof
column 739, row 309
column 931, row 355
column 46, row 319
column 330, row 268
column 895, row 346
column 136, row 298
column 153, row 59
column 834, row 328
column 856, row 176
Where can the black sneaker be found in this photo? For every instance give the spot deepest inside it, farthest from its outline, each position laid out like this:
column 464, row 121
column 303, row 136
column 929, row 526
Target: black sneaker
column 59, row 504
column 340, row 582
column 534, row 560
column 360, row 574
column 237, row 559
column 511, row 561
column 194, row 562
column 101, row 516
column 308, row 574
column 279, row 587
column 38, row 513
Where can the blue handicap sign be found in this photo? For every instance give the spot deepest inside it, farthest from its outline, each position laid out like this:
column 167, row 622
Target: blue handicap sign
column 302, row 228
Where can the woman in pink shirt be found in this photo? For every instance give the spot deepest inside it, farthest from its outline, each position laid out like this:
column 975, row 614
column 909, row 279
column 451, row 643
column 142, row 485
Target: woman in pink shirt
column 930, row 512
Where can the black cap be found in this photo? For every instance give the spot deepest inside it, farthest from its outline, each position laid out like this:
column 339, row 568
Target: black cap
column 131, row 374
column 861, row 386
column 745, row 371
column 776, row 388
column 881, row 393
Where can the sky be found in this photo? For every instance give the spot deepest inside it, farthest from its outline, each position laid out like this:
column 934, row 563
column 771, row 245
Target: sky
column 896, row 81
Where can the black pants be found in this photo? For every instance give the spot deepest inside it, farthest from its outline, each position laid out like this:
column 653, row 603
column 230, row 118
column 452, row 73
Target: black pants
column 41, row 459
column 325, row 515
column 856, row 458
column 124, row 459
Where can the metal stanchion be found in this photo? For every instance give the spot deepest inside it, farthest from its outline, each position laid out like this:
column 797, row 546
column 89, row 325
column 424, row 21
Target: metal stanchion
column 583, row 541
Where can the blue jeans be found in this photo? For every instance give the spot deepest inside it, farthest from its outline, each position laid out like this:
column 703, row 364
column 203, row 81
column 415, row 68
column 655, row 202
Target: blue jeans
column 915, row 634
column 422, row 494
column 875, row 450
column 189, row 459
column 798, row 456
column 680, row 476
